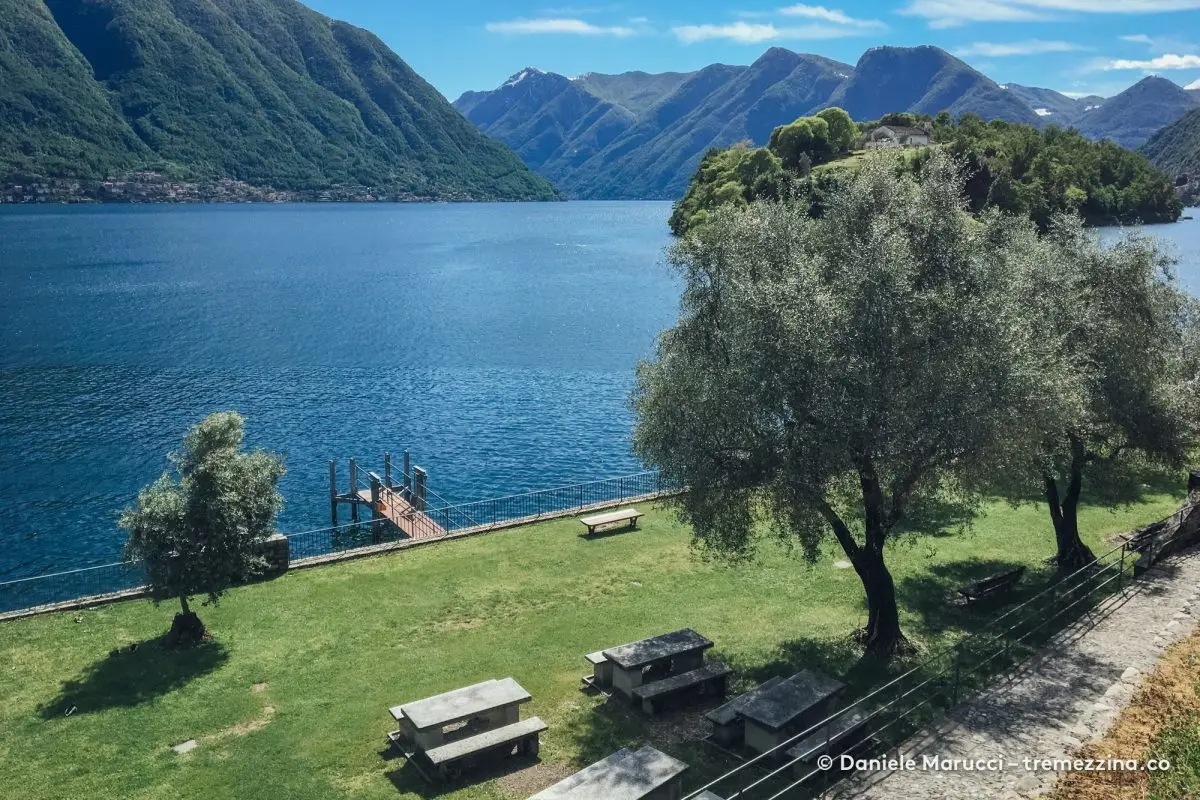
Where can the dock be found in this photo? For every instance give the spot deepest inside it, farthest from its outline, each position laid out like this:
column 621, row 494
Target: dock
column 400, row 505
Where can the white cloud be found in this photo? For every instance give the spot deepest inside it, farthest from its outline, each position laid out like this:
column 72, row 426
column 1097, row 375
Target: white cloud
column 952, row 13
column 1193, row 85
column 1025, row 48
column 836, row 16
column 755, row 32
column 1138, row 38
column 1167, row 61
column 570, row 26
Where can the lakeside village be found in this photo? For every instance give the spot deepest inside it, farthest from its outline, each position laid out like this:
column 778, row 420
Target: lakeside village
column 154, row 187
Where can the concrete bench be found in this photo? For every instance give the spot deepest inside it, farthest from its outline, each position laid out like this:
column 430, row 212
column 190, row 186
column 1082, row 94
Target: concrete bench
column 708, row 679
column 992, row 585
column 832, row 739
column 629, row 516
column 602, row 671
column 729, row 727
column 499, row 741
column 645, row 774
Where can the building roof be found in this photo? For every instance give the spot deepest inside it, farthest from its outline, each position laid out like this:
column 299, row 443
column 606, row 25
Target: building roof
column 899, row 131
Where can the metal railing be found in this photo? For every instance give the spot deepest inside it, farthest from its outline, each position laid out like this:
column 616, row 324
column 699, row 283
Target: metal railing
column 438, row 519
column 886, row 716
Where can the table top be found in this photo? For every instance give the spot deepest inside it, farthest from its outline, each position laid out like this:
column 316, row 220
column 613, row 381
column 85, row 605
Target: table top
column 624, row 775
column 782, row 703
column 450, row 707
column 656, row 648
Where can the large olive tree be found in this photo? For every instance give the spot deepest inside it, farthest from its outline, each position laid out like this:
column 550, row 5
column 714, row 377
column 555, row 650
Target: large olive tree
column 839, row 375
column 199, row 530
column 1126, row 381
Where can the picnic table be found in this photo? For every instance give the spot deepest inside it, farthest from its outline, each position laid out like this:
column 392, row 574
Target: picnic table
column 459, row 725
column 779, row 712
column 643, row 774
column 654, row 658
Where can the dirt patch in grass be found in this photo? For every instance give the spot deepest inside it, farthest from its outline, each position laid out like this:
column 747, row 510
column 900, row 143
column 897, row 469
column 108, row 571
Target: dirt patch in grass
column 530, row 781
column 1166, row 697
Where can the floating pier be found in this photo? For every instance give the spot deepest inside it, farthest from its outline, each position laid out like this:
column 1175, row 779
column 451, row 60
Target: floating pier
column 401, row 504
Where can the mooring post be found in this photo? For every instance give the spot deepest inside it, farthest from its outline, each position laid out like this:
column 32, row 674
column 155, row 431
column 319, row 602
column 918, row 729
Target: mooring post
column 387, row 470
column 375, row 504
column 407, row 476
column 420, row 479
column 333, row 492
column 353, row 490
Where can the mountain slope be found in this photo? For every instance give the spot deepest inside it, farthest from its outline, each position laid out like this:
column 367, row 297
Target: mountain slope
column 271, row 93
column 1134, row 115
column 54, row 117
column 635, row 91
column 1053, row 107
column 924, row 80
column 1176, row 149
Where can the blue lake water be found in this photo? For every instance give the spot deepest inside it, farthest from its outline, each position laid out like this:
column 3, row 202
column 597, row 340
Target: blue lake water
column 497, row 342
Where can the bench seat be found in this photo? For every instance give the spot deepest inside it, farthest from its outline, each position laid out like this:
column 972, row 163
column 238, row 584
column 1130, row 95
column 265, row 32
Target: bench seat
column 713, row 674
column 843, row 732
column 626, row 515
column 727, row 721
column 524, row 732
column 993, row 584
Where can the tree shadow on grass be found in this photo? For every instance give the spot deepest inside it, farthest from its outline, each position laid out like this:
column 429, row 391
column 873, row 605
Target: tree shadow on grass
column 934, row 594
column 133, row 675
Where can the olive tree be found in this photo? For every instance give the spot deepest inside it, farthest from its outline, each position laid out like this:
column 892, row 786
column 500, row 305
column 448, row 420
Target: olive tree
column 1126, row 380
column 844, row 374
column 198, row 529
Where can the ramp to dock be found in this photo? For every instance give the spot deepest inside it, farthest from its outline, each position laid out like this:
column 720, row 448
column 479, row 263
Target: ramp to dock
column 393, row 507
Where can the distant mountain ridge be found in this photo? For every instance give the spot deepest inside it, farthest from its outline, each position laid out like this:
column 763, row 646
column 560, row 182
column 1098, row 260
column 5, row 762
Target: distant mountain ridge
column 641, row 136
column 266, row 92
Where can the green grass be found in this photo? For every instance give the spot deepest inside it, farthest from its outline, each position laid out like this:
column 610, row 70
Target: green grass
column 336, row 646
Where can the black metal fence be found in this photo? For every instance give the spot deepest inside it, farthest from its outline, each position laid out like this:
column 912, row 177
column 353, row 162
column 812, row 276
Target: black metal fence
column 884, row 718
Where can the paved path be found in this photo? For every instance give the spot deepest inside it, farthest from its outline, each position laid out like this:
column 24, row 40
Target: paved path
column 1048, row 707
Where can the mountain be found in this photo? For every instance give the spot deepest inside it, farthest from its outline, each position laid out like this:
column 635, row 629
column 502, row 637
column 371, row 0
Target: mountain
column 267, row 92
column 924, row 80
column 635, row 91
column 1053, row 107
column 636, row 135
column 1133, row 116
column 1176, row 150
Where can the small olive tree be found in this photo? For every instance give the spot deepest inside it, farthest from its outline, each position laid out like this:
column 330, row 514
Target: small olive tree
column 840, row 375
column 1127, row 376
column 198, row 530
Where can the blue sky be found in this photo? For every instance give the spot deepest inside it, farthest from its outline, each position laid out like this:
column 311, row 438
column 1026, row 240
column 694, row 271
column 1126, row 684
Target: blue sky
column 1074, row 46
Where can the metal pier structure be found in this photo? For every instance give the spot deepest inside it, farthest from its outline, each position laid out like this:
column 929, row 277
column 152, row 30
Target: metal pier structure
column 400, row 504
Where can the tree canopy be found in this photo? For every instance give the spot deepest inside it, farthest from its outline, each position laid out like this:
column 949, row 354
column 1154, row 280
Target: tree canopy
column 198, row 530
column 836, row 376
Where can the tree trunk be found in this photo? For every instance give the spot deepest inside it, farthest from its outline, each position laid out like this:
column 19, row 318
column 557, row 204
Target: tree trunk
column 883, row 636
column 1073, row 554
column 186, row 628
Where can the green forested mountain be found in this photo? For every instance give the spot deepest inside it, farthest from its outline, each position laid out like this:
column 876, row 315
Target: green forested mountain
column 263, row 91
column 1132, row 117
column 1176, row 150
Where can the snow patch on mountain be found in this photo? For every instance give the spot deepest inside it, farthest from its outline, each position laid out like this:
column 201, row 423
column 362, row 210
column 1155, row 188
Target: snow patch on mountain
column 1043, row 112
column 522, row 75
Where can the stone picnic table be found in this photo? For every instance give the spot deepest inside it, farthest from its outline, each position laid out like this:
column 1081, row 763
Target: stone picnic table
column 670, row 653
column 423, row 722
column 784, row 709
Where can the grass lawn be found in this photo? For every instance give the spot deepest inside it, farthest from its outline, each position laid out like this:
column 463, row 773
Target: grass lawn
column 290, row 699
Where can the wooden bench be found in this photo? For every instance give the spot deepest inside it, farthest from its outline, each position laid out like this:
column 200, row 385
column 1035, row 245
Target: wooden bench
column 645, row 774
column 522, row 735
column 629, row 516
column 992, row 585
column 708, row 679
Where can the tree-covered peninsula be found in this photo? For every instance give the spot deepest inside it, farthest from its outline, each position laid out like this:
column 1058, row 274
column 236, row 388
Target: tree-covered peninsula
column 1012, row 167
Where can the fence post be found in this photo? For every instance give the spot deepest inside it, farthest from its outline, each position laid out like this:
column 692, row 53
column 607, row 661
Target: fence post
column 1121, row 574
column 375, row 503
column 354, row 490
column 333, row 493
column 957, row 673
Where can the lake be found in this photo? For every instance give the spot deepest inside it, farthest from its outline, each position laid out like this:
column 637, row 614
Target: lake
column 497, row 342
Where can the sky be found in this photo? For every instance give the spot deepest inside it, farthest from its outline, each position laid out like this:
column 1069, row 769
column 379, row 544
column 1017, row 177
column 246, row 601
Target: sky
column 1077, row 47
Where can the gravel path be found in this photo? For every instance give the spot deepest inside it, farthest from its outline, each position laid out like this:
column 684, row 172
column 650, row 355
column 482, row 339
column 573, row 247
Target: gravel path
column 1070, row 693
